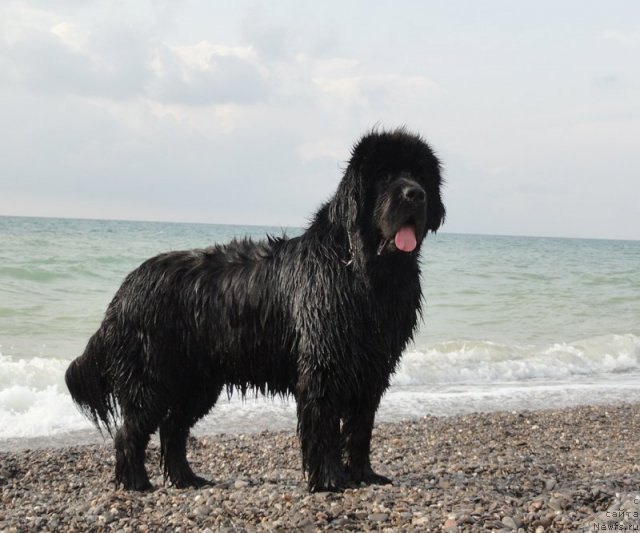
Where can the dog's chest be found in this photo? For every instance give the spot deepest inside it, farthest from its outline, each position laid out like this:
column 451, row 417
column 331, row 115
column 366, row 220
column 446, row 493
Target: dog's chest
column 389, row 312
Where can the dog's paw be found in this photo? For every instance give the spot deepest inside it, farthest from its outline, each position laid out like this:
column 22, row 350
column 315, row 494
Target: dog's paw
column 138, row 484
column 367, row 476
column 193, row 481
column 376, row 479
column 333, row 480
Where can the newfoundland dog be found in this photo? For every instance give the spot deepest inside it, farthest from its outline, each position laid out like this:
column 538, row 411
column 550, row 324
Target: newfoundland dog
column 324, row 317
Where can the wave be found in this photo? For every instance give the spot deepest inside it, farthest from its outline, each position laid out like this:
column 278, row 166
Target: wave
column 104, row 267
column 36, row 274
column 34, row 400
column 472, row 362
column 442, row 378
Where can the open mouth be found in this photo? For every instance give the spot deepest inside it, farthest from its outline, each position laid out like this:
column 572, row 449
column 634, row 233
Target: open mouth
column 405, row 238
column 402, row 230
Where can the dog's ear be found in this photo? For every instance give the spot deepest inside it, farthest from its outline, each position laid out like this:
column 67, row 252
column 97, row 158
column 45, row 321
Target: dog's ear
column 436, row 213
column 349, row 198
column 345, row 212
column 345, row 206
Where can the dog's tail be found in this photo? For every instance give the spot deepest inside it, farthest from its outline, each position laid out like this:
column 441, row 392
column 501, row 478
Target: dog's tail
column 90, row 386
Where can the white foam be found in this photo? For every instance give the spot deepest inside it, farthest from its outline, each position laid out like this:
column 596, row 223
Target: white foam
column 470, row 362
column 27, row 412
column 34, row 400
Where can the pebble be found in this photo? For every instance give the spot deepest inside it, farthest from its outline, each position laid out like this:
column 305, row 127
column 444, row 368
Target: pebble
column 546, row 520
column 555, row 504
column 450, row 523
column 240, row 484
column 461, row 473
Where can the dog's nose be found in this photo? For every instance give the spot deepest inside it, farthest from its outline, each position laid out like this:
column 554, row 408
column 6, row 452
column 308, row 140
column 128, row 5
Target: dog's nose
column 414, row 194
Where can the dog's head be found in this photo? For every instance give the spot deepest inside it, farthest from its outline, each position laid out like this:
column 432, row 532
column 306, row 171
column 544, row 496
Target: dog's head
column 389, row 197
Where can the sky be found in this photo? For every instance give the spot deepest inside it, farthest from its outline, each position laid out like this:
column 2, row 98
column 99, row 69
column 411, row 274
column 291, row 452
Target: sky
column 246, row 112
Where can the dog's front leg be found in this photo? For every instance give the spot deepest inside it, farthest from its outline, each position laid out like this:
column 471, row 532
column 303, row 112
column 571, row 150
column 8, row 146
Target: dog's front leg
column 319, row 433
column 356, row 440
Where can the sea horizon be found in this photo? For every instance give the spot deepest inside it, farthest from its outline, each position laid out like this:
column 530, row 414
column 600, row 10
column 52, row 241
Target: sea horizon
column 296, row 227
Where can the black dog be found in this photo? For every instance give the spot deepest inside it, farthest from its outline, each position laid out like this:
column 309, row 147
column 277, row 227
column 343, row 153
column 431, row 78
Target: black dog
column 324, row 317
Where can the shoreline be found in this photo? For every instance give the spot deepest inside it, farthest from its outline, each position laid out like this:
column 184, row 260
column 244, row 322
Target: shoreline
column 540, row 470
column 403, row 403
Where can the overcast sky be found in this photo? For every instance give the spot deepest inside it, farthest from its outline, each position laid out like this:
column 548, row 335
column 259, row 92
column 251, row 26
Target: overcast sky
column 245, row 112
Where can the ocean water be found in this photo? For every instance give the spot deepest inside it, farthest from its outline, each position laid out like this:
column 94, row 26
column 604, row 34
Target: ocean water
column 509, row 323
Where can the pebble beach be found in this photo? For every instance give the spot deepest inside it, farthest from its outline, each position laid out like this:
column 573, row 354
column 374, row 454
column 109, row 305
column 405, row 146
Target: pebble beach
column 554, row 470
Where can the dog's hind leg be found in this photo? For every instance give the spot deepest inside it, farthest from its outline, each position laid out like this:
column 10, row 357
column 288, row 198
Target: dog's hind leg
column 142, row 409
column 130, row 442
column 174, row 432
column 356, row 441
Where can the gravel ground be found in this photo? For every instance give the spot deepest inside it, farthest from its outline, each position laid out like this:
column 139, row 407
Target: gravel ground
column 557, row 470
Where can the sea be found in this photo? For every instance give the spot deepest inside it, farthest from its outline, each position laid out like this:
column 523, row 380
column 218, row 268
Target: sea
column 509, row 323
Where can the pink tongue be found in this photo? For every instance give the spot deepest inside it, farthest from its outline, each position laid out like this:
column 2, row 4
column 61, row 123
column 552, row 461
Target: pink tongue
column 406, row 239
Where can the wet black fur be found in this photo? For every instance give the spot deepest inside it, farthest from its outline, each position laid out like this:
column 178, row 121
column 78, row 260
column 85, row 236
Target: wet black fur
column 324, row 317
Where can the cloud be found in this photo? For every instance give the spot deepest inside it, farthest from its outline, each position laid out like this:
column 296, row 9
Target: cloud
column 375, row 89
column 208, row 73
column 272, row 40
column 116, row 61
column 322, row 148
column 70, row 35
column 622, row 37
column 45, row 54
